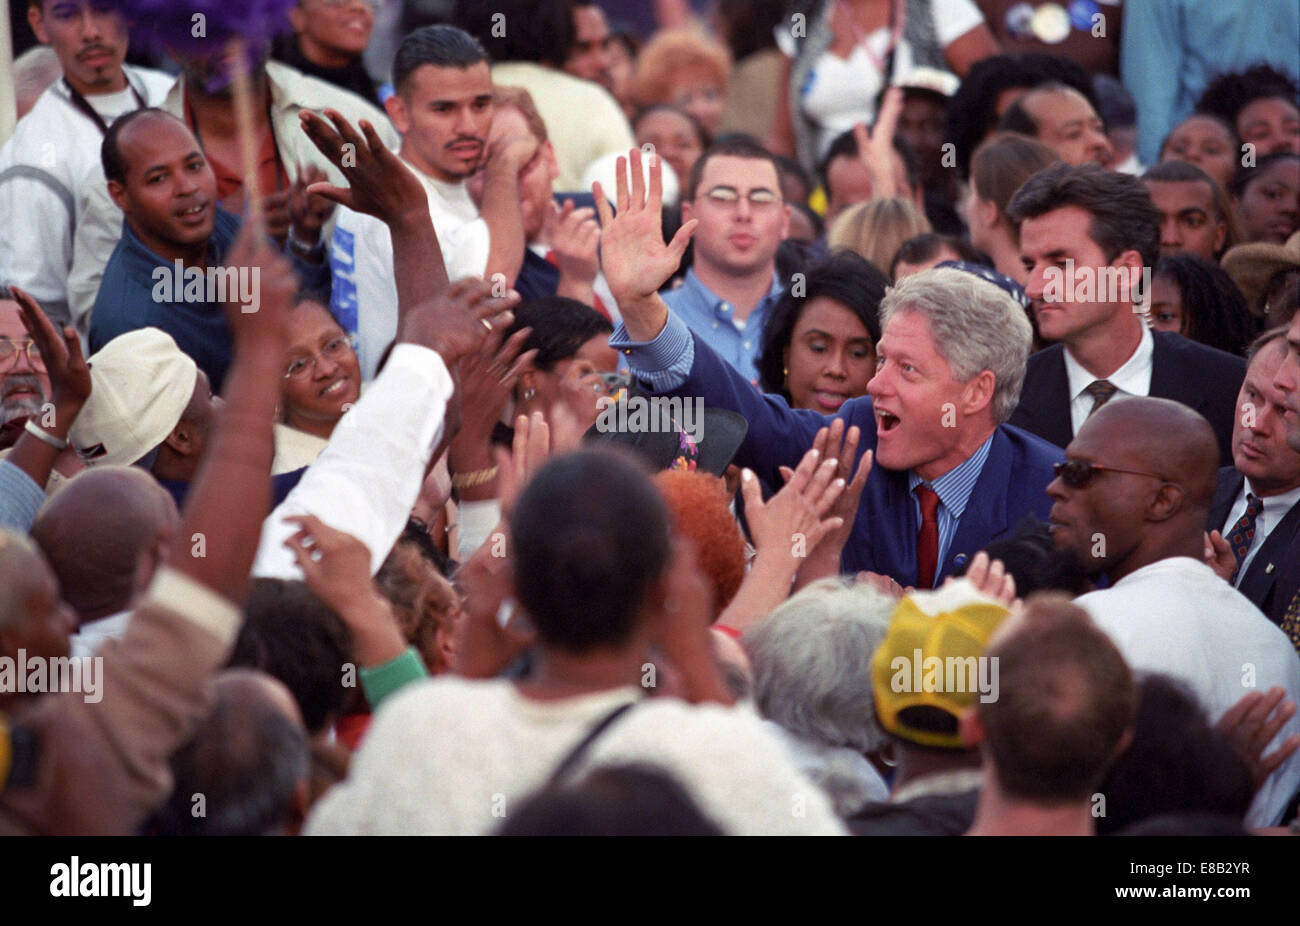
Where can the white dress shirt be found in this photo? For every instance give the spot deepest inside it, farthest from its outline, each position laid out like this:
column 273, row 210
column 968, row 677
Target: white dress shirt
column 1177, row 617
column 1275, row 509
column 367, row 479
column 1133, row 378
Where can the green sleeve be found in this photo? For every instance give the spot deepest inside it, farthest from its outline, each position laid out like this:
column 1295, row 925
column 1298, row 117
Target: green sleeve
column 378, row 682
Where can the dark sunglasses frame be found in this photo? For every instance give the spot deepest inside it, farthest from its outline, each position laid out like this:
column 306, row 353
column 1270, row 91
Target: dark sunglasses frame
column 1078, row 473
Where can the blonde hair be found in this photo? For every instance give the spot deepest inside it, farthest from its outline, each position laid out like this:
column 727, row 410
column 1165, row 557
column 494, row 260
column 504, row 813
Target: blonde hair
column 669, row 56
column 875, row 229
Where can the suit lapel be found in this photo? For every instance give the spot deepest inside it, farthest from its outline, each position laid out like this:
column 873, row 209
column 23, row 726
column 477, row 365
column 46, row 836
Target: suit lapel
column 1050, row 400
column 1229, row 488
column 1263, row 572
column 985, row 516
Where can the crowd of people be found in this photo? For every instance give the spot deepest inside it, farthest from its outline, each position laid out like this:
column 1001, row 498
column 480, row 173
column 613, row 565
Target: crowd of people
column 561, row 417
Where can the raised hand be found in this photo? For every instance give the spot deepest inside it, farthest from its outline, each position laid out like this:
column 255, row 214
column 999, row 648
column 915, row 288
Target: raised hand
column 575, row 237
column 455, row 322
column 876, row 145
column 990, row 577
column 1218, row 555
column 1250, row 726
column 266, row 323
column 634, row 258
column 308, row 212
column 795, row 519
column 336, row 567
column 61, row 350
column 380, row 184
column 484, row 645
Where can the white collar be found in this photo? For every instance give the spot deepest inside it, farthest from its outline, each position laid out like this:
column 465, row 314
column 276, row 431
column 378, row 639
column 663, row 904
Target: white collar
column 1133, row 377
column 1279, row 504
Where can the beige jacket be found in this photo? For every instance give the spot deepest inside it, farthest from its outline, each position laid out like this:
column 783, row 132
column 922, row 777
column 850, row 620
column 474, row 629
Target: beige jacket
column 103, row 766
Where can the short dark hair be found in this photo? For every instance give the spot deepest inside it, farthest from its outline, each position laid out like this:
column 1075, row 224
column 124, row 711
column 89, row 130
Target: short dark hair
column 701, row 132
column 590, row 537
column 110, row 149
column 560, row 327
column 1123, row 216
column 442, row 46
column 972, row 112
column 1017, row 119
column 612, row 801
column 1245, row 176
column 1214, row 310
column 1178, row 172
column 1065, row 701
column 246, row 760
column 923, row 247
column 845, row 277
column 292, row 635
column 734, row 146
column 1228, row 94
column 1177, row 762
column 845, row 145
column 541, row 31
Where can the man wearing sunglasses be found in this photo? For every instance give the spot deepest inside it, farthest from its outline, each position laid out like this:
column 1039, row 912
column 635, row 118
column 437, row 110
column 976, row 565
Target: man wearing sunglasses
column 734, row 193
column 1131, row 502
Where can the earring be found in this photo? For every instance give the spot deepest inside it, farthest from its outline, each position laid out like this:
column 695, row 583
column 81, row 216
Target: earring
column 529, row 393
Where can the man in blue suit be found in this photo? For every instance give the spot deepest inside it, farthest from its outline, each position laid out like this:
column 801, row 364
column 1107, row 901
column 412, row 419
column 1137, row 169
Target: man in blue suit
column 951, row 475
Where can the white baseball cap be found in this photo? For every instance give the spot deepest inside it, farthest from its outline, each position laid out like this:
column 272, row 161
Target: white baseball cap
column 141, row 383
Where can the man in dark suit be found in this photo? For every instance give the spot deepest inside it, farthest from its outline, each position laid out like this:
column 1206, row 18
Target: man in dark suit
column 950, row 476
column 1087, row 235
column 1255, row 505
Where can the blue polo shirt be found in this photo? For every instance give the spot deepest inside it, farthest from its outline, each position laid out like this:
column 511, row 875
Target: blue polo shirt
column 714, row 322
column 126, row 302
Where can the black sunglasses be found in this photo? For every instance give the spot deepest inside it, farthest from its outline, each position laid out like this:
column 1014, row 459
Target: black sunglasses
column 1076, row 473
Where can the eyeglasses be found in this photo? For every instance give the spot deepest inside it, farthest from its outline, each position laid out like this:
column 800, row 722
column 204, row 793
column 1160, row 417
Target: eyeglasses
column 9, row 351
column 728, row 197
column 334, row 349
column 1076, row 473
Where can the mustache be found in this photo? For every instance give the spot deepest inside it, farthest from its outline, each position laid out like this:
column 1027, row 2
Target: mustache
column 461, row 139
column 95, row 49
column 15, row 381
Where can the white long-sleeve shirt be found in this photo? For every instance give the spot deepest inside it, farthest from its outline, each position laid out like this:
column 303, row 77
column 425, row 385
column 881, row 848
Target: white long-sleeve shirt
column 46, row 170
column 367, row 478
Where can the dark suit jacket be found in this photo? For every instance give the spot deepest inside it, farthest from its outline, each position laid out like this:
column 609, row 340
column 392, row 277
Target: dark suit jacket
column 1274, row 574
column 1202, row 378
column 1012, row 484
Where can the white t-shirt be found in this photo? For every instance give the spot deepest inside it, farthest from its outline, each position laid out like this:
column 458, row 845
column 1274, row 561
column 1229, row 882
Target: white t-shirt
column 364, row 297
column 454, row 756
column 1176, row 616
column 47, row 169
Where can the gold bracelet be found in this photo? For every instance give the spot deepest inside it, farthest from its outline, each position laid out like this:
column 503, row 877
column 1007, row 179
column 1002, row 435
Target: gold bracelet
column 476, row 478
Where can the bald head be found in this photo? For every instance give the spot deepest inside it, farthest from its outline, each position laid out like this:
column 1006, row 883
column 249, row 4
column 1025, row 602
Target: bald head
column 1163, row 437
column 104, row 535
column 249, row 759
column 33, row 620
column 1137, row 488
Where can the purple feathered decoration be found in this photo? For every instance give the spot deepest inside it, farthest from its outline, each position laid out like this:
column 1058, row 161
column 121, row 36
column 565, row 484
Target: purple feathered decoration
column 203, row 27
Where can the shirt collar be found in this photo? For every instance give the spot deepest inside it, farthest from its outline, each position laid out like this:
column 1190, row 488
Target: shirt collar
column 1134, row 377
column 715, row 304
column 955, row 486
column 1275, row 505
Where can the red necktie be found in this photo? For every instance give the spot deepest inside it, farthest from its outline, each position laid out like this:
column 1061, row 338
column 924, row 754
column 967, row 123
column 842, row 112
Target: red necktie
column 927, row 540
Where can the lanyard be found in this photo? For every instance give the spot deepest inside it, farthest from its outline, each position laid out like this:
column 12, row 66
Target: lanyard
column 897, row 21
column 90, row 112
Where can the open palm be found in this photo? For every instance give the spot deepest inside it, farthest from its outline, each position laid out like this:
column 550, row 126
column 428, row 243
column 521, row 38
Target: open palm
column 634, row 257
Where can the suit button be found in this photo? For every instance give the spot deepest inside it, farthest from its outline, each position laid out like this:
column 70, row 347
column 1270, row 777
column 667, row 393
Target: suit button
column 961, row 559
